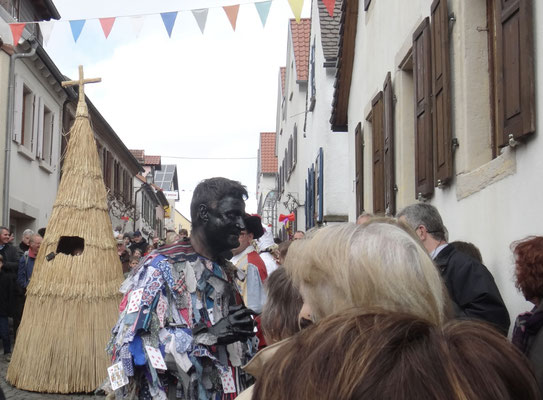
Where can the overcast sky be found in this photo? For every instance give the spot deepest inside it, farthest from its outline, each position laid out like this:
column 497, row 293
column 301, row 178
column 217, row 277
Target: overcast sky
column 192, row 95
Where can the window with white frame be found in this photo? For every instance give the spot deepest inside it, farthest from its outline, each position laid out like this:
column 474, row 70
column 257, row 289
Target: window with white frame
column 34, row 122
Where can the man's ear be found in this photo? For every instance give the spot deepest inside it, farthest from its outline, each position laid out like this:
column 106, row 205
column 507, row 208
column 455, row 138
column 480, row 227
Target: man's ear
column 203, row 213
column 422, row 233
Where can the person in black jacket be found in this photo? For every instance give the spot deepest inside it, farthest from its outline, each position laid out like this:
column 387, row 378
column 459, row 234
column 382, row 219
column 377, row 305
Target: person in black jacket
column 470, row 284
column 9, row 290
column 138, row 243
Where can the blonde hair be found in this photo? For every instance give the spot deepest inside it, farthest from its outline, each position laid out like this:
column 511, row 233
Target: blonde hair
column 379, row 264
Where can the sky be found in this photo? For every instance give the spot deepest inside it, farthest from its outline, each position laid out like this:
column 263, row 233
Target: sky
column 192, row 95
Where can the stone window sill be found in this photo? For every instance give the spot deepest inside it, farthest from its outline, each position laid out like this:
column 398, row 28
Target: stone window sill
column 46, row 167
column 21, row 149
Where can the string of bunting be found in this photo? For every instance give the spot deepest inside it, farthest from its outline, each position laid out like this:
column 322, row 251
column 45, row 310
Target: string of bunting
column 168, row 18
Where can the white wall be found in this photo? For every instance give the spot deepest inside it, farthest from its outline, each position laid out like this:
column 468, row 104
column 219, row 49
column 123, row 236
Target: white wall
column 490, row 202
column 33, row 185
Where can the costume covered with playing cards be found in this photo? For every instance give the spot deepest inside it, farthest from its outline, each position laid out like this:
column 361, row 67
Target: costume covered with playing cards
column 183, row 331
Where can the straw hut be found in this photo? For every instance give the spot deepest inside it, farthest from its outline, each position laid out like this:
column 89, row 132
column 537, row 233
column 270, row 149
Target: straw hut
column 72, row 299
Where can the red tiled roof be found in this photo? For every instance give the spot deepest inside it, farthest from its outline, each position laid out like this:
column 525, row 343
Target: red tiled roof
column 301, row 33
column 268, row 159
column 283, row 72
column 138, row 154
column 152, row 160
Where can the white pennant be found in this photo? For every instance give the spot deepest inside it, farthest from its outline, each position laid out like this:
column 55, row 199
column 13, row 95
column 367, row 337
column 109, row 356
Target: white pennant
column 46, row 28
column 137, row 24
column 201, row 17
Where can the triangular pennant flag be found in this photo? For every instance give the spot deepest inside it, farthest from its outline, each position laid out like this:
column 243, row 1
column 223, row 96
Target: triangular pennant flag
column 201, row 17
column 77, row 27
column 296, row 6
column 232, row 14
column 263, row 9
column 107, row 24
column 17, row 31
column 169, row 21
column 46, row 27
column 330, row 4
column 137, row 24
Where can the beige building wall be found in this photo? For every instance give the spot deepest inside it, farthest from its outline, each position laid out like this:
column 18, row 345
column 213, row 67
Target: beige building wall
column 181, row 222
column 490, row 202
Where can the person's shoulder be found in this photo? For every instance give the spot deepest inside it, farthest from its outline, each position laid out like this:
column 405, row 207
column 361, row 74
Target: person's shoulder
column 254, row 258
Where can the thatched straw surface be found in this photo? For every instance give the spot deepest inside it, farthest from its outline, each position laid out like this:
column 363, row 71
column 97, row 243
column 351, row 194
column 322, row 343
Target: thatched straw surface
column 72, row 301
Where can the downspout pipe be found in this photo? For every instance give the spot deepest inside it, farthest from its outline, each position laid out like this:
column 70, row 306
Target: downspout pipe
column 9, row 126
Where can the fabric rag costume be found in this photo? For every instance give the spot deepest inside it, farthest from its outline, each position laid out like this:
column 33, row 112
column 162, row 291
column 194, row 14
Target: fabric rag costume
column 252, row 287
column 169, row 301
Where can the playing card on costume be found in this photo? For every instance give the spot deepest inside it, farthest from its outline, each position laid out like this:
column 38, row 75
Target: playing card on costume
column 117, row 376
column 161, row 309
column 155, row 356
column 228, row 385
column 135, row 300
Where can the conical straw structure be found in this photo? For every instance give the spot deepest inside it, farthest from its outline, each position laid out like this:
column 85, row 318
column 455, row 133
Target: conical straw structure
column 71, row 301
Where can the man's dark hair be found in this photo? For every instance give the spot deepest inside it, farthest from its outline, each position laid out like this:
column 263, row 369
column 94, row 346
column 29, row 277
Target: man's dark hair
column 468, row 248
column 211, row 190
column 3, row 228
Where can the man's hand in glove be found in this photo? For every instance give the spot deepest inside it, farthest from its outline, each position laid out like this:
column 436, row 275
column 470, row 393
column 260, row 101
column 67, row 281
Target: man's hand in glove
column 238, row 325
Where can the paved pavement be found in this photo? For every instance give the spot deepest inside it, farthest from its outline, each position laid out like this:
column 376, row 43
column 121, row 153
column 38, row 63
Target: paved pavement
column 13, row 393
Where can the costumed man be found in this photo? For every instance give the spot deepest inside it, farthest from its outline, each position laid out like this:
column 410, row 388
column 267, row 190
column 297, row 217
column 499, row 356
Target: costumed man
column 266, row 247
column 182, row 311
column 247, row 260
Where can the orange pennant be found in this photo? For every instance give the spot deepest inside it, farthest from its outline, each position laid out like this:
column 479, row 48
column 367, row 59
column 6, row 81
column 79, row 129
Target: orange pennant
column 17, row 31
column 107, row 24
column 232, row 14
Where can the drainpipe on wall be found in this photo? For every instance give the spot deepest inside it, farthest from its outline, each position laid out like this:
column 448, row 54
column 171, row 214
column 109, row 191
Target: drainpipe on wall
column 9, row 126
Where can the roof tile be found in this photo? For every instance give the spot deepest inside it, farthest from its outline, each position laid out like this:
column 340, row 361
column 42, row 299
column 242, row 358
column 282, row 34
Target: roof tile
column 152, row 160
column 268, row 159
column 301, row 33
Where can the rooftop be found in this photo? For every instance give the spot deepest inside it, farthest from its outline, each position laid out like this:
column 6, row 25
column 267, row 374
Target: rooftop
column 301, row 33
column 268, row 159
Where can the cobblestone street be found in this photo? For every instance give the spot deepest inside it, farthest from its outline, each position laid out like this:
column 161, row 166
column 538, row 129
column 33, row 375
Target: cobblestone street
column 13, row 393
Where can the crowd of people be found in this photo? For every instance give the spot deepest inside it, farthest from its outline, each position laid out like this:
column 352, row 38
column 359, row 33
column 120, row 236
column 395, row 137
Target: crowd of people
column 385, row 308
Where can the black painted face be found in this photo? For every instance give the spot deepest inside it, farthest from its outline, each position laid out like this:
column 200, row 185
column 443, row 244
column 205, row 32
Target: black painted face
column 224, row 224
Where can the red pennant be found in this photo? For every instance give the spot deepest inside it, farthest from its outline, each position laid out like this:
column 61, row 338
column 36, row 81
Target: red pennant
column 330, row 4
column 232, row 14
column 17, row 31
column 107, row 24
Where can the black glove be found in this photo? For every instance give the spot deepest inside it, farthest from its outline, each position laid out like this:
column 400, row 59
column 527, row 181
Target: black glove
column 238, row 325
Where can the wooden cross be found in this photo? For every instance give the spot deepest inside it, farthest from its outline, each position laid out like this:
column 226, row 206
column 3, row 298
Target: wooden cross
column 81, row 82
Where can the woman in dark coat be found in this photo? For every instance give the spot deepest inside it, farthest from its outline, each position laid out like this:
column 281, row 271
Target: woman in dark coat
column 527, row 334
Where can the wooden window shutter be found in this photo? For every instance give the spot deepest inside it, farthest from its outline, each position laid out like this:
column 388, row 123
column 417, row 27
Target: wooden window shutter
column 515, row 69
column 41, row 126
column 306, row 208
column 18, row 109
column 320, row 187
column 295, row 145
column 388, row 146
column 359, row 175
column 441, row 94
column 424, row 177
column 367, row 4
column 377, row 122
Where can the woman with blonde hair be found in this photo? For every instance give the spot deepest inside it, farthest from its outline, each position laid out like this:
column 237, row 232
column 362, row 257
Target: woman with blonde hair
column 378, row 264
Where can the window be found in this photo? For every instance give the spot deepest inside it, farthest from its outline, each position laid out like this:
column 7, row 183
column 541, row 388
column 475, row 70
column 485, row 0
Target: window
column 378, row 169
column 367, row 4
column 359, row 175
column 45, row 151
column 312, row 98
column 511, row 53
column 433, row 132
column 34, row 123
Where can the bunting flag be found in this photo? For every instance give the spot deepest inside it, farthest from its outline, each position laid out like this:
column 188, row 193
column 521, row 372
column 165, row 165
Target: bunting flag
column 17, row 31
column 137, row 24
column 200, row 16
column 169, row 21
column 46, row 28
column 296, row 7
column 263, row 9
column 232, row 14
column 330, row 4
column 107, row 24
column 77, row 27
